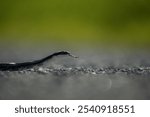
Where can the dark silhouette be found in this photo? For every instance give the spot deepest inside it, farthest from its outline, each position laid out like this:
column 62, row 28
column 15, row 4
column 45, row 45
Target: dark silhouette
column 25, row 65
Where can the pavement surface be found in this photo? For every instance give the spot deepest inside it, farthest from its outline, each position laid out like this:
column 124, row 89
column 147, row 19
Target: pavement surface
column 92, row 76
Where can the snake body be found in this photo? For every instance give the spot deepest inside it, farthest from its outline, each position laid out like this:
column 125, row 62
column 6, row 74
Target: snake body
column 25, row 65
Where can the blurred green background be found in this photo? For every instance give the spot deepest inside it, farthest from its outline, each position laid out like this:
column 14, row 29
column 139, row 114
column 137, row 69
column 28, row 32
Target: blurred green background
column 118, row 23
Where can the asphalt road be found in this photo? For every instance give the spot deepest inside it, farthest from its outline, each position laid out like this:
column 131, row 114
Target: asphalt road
column 91, row 76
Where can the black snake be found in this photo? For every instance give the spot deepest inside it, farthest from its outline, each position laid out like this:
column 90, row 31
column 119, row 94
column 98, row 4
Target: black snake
column 25, row 65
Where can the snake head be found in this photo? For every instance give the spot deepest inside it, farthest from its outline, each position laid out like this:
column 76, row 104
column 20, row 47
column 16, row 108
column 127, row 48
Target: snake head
column 68, row 53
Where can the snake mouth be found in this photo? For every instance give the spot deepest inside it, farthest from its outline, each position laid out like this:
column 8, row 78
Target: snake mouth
column 73, row 56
